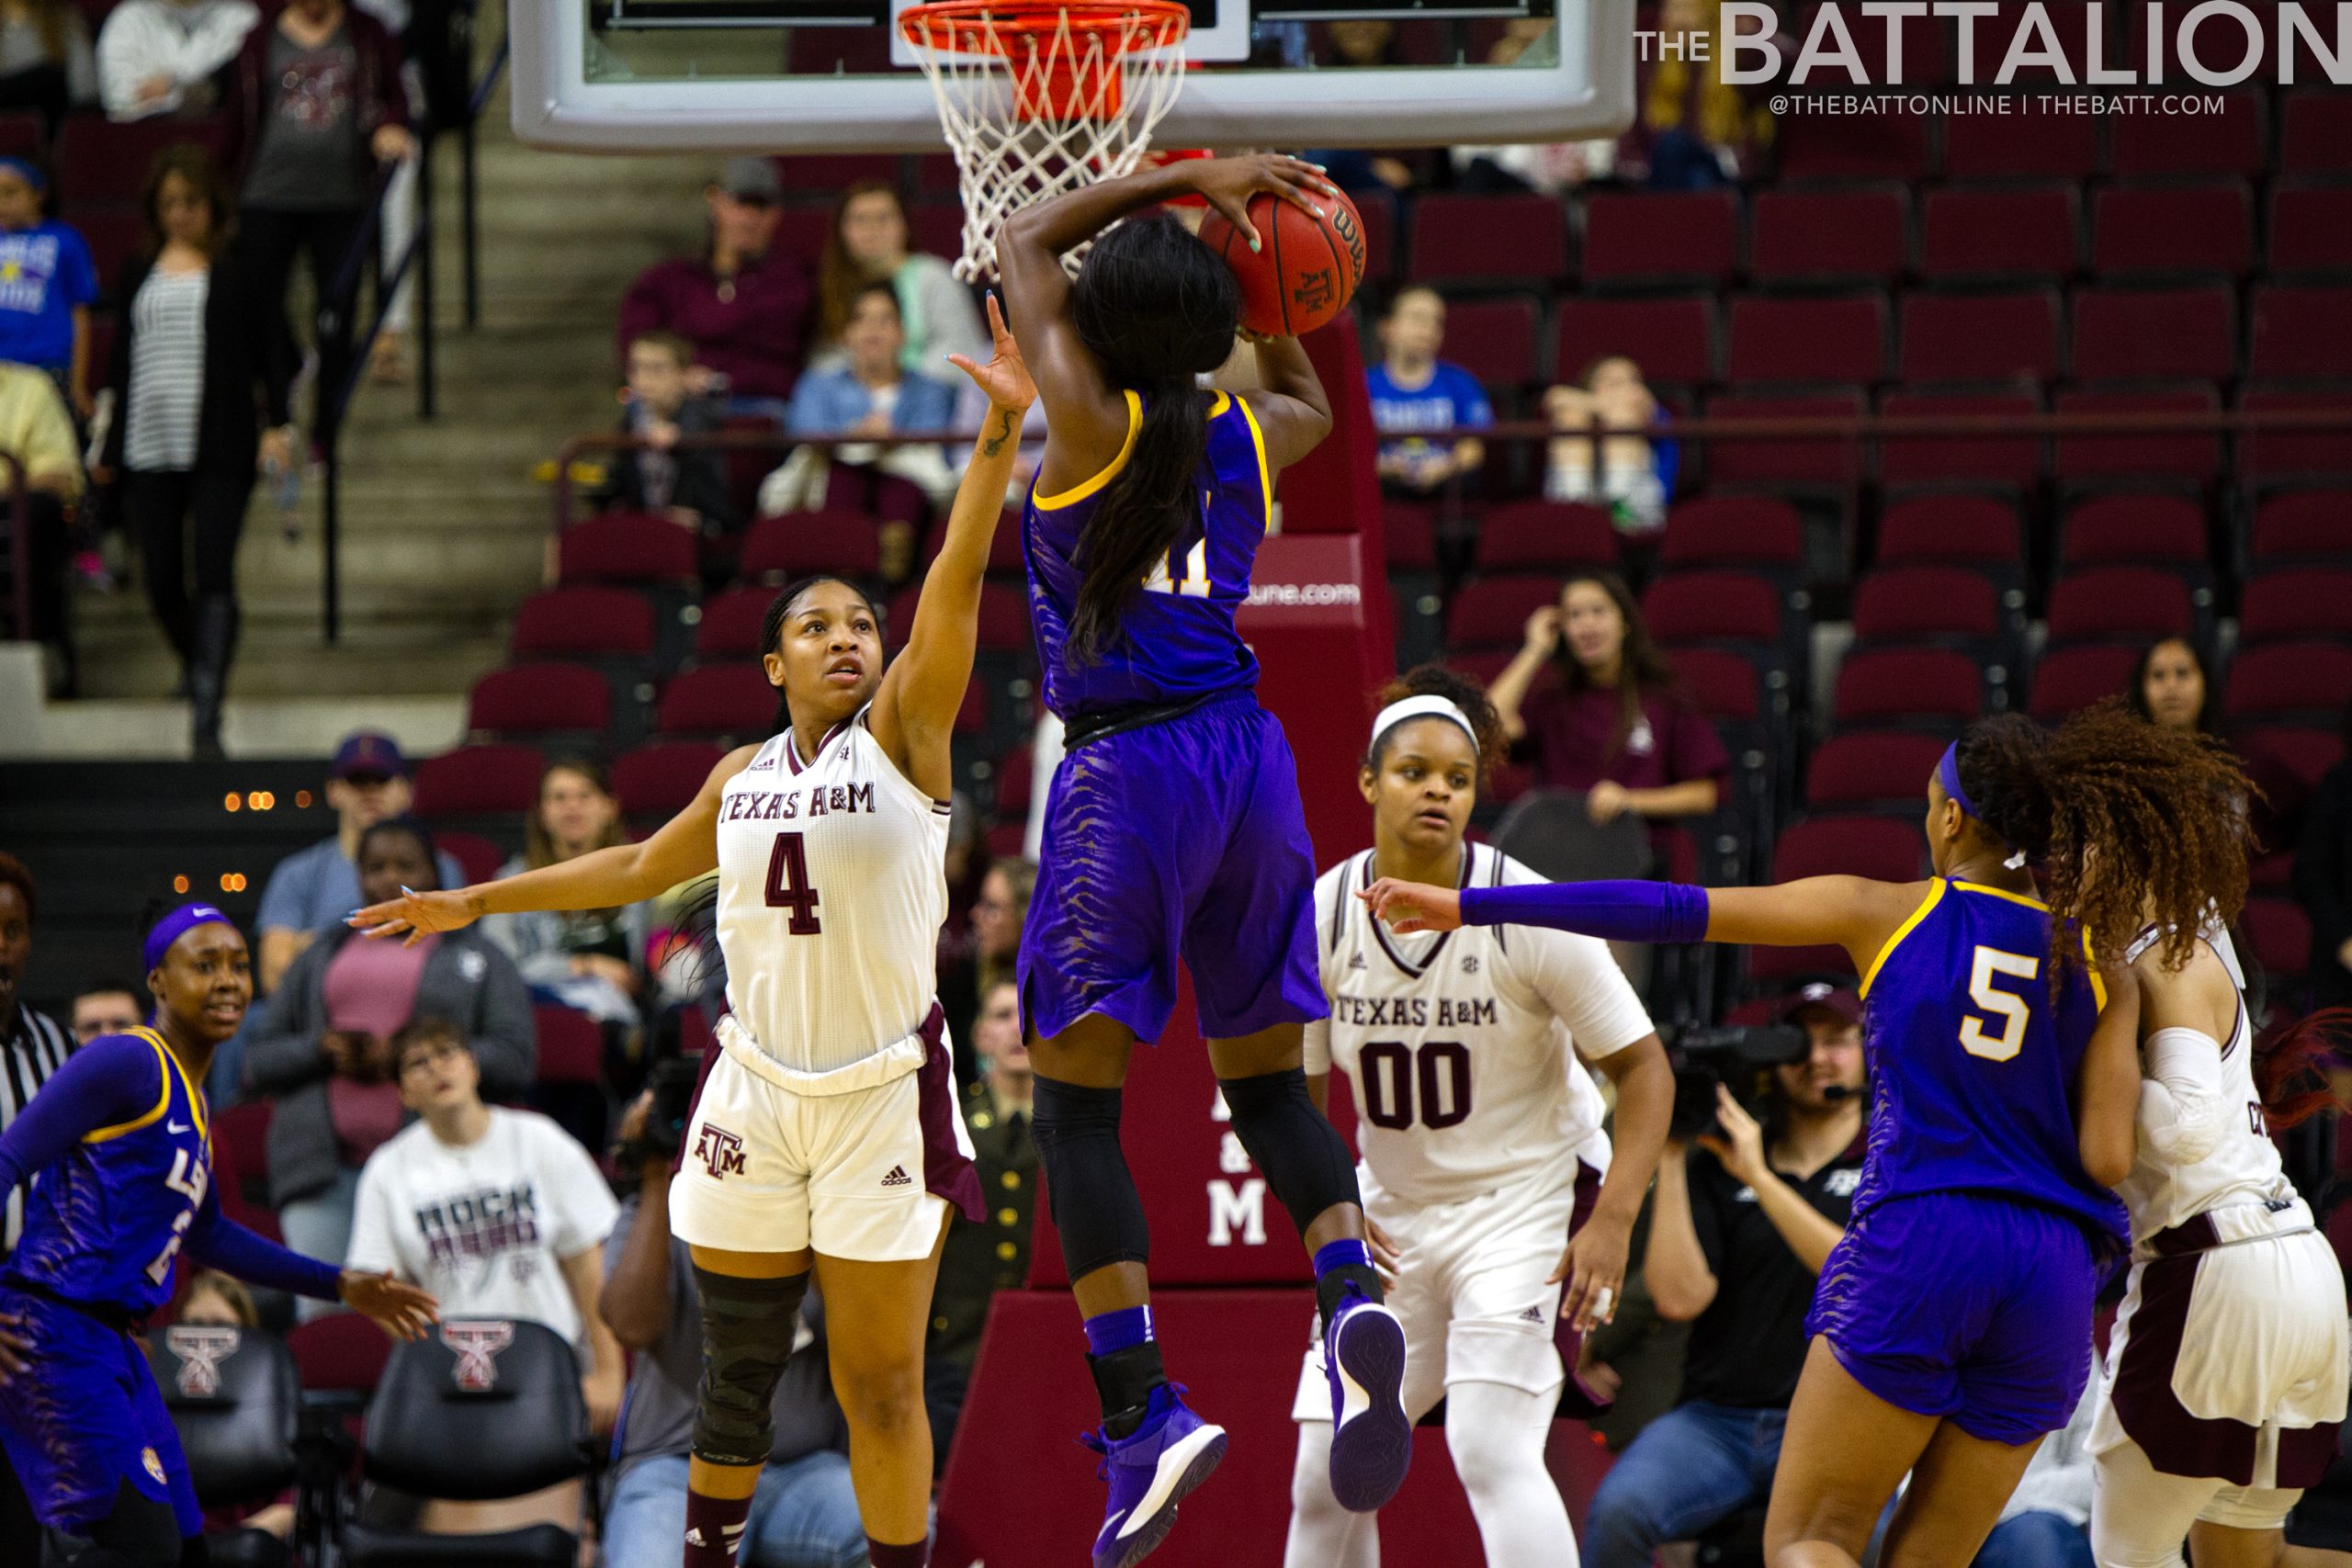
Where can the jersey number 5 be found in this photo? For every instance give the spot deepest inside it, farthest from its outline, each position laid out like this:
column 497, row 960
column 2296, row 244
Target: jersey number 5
column 788, row 885
column 2007, row 1006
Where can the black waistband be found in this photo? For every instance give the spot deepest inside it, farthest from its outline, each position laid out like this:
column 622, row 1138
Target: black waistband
column 1086, row 727
column 122, row 1320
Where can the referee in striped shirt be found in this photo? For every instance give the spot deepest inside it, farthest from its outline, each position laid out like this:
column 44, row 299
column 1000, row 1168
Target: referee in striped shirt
column 32, row 1046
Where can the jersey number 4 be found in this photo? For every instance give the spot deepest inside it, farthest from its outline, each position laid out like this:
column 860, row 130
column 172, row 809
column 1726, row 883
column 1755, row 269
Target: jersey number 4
column 1998, row 1002
column 788, row 885
column 1392, row 1070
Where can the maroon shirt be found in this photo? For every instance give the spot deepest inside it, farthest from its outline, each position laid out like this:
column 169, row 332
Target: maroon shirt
column 1572, row 737
column 756, row 337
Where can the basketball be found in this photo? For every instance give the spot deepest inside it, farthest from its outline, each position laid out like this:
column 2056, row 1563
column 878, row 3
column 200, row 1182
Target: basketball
column 1307, row 271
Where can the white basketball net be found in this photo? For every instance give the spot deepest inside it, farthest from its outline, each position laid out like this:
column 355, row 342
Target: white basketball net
column 1067, row 97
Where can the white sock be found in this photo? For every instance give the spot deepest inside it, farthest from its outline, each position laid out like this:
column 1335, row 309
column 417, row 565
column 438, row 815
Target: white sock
column 1497, row 1434
column 1322, row 1533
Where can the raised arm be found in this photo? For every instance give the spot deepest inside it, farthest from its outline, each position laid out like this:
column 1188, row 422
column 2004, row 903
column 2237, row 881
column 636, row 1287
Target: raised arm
column 914, row 710
column 681, row 849
column 1291, row 406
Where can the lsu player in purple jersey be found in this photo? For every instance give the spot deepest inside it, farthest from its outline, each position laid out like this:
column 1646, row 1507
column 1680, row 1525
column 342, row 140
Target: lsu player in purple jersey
column 1172, row 825
column 116, row 1147
column 1951, row 1327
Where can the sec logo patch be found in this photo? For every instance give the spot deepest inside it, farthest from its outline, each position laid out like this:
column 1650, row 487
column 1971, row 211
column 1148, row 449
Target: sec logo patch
column 154, row 1465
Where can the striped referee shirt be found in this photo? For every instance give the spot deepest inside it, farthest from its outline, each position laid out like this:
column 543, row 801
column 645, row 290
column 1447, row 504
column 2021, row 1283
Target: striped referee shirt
column 35, row 1048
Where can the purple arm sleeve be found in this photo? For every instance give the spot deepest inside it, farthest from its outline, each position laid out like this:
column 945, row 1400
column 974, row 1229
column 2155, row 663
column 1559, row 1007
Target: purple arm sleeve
column 221, row 1243
column 1616, row 912
column 109, row 1081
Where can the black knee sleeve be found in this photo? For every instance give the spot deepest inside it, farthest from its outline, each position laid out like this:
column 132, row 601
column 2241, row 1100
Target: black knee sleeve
column 137, row 1532
column 747, row 1331
column 1088, row 1189
column 1305, row 1160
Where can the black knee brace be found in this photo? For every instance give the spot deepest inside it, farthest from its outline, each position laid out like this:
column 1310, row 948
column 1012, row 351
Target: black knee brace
column 1088, row 1189
column 137, row 1532
column 747, row 1331
column 1305, row 1160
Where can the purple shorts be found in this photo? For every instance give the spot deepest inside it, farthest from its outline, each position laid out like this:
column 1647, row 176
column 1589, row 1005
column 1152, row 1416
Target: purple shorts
column 84, row 1418
column 1964, row 1306
column 1179, row 839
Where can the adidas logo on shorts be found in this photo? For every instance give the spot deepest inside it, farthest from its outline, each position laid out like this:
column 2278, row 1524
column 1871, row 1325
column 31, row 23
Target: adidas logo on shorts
column 898, row 1178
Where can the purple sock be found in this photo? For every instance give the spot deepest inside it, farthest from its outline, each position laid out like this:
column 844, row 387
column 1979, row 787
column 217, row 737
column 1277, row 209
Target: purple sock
column 917, row 1555
column 1341, row 1255
column 1122, row 1330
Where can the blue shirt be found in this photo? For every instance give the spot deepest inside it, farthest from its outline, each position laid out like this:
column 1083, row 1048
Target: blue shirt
column 1177, row 639
column 828, row 402
column 1450, row 397
column 1973, row 1061
column 45, row 273
column 313, row 889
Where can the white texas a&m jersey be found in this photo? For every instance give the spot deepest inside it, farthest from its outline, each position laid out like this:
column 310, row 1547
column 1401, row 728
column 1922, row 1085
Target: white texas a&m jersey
column 1458, row 1043
column 832, row 885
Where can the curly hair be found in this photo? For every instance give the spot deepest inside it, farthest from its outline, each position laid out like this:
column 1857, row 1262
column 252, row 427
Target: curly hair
column 1436, row 681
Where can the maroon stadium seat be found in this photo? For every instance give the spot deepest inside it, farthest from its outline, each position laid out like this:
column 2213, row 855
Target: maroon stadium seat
column 1494, row 339
column 478, row 858
column 1732, row 530
column 100, row 160
column 2025, row 231
column 1714, row 606
column 2134, row 456
column 1672, row 340
column 2138, row 603
column 1505, row 238
column 114, row 235
column 1724, row 686
column 1910, row 604
column 1537, row 535
column 2149, row 529
column 2006, row 338
column 1480, row 664
column 572, row 1048
column 663, row 779
column 2310, row 230
column 1492, row 611
column 536, row 698
column 1853, row 146
column 2316, row 134
column 1003, row 618
column 479, row 781
column 1839, row 338
column 1831, row 462
column 794, row 543
column 2020, row 146
column 1908, row 687
column 1865, row 768
column 24, row 134
column 625, row 547
column 1841, row 845
column 2314, row 678
column 2290, row 454
column 802, row 232
column 1649, row 238
column 1004, row 545
column 1926, row 530
column 340, row 1353
column 1377, row 209
column 2013, row 461
column 2280, row 933
column 2303, row 524
column 731, row 699
column 1830, row 236
column 731, row 624
column 2302, row 332
column 241, row 1165
column 2303, row 752
column 1015, row 783
column 2298, row 602
column 825, row 174
column 2205, row 228
column 575, row 622
column 2226, row 144
column 1409, row 532
column 2069, row 679
column 2140, row 334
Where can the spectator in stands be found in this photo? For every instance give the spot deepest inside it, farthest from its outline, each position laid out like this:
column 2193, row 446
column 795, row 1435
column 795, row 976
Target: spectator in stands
column 685, row 485
column 2172, row 688
column 324, row 1049
column 1415, row 393
column 1636, row 473
column 589, row 960
column 45, row 60
column 31, row 1047
column 316, row 106
column 805, row 1512
column 981, row 1260
column 501, row 1215
column 47, row 284
column 2323, row 883
column 215, row 1300
column 161, row 57
column 202, row 407
column 997, row 917
column 1739, row 1227
column 1695, row 129
column 744, row 303
column 868, row 244
column 108, row 1007
column 1611, row 721
column 36, row 430
column 1547, row 168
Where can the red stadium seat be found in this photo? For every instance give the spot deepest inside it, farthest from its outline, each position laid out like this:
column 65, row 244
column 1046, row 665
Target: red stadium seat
column 794, row 543
column 2006, row 338
column 1493, row 610
column 626, row 547
column 1672, row 340
column 1494, row 339
column 2280, row 933
column 663, row 779
column 1927, row 530
column 2011, row 461
column 1897, row 687
column 530, row 699
column 479, row 781
column 1839, row 338
column 2301, row 332
column 114, row 236
column 2310, row 231
column 2138, row 603
column 2303, row 753
column 1408, row 533
column 1520, row 239
column 731, row 622
column 2027, row 232
column 2290, row 603
column 1841, row 845
column 1914, row 603
column 2069, row 678
column 1540, row 535
column 1853, row 146
column 99, row 159
column 1480, row 664
column 479, row 857
column 2136, row 457
column 2020, row 146
column 2303, row 524
column 241, row 1165
column 2316, row 135
column 731, row 700
column 1830, row 236
column 1725, row 687
column 1003, row 618
column 1833, row 463
column 2310, row 679
column 2138, row 529
column 583, row 622
column 1649, row 238
column 1864, row 768
column 2265, row 456
column 2176, row 230
column 1734, row 531
column 2141, row 335
column 572, row 1048
column 2225, row 143
column 1714, row 606
column 1004, row 545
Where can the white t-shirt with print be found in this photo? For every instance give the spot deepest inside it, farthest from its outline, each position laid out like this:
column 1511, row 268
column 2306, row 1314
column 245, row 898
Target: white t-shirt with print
column 486, row 1225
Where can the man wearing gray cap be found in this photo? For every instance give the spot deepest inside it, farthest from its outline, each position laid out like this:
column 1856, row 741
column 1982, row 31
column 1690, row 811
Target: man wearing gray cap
column 743, row 303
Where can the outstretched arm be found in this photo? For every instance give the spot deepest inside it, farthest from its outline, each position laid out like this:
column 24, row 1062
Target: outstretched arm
column 915, row 708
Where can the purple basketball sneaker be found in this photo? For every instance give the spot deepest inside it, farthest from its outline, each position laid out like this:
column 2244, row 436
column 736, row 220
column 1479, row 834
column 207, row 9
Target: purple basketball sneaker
column 1372, row 1443
column 1150, row 1472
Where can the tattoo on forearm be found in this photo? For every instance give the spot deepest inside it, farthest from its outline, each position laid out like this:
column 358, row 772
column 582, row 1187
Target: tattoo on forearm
column 995, row 444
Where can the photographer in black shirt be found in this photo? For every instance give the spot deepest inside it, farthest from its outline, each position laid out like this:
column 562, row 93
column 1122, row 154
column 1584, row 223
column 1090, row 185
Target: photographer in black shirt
column 1742, row 1220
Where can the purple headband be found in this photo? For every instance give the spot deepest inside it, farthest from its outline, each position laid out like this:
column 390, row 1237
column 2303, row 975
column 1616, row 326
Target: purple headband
column 172, row 927
column 1948, row 774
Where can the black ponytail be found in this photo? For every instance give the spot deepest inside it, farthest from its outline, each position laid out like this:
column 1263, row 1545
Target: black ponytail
column 1157, row 310
column 780, row 610
column 2003, row 766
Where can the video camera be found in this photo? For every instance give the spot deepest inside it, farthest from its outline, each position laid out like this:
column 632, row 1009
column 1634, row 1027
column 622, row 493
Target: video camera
column 671, row 1082
column 1704, row 1057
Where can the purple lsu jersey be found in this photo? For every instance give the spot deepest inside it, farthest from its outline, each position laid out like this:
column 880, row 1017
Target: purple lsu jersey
column 1973, row 1061
column 103, row 1225
column 1180, row 641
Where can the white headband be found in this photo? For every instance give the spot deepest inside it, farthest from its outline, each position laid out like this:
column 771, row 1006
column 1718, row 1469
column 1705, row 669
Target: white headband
column 1427, row 706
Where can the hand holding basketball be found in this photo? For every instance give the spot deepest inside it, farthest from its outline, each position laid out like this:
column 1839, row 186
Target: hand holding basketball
column 1228, row 183
column 1297, row 246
